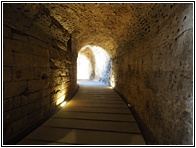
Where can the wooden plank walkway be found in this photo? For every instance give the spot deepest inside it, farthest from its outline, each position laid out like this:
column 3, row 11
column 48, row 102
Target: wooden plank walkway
column 95, row 116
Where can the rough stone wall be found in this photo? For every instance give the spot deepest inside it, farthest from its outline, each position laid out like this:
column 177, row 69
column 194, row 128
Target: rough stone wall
column 155, row 76
column 36, row 70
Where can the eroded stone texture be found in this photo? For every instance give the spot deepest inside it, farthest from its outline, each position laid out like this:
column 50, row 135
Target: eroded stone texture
column 37, row 71
column 155, row 76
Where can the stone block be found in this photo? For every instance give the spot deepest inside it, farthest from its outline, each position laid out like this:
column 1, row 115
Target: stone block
column 40, row 51
column 35, row 85
column 56, row 64
column 33, row 97
column 31, row 118
column 38, row 42
column 16, row 113
column 42, row 73
column 58, row 81
column 7, row 57
column 16, row 101
column 24, row 100
column 19, row 74
column 47, row 91
column 7, row 32
column 37, row 104
column 7, row 118
column 17, row 46
column 62, row 46
column 23, row 60
column 29, row 108
column 20, row 37
column 58, row 57
column 11, row 103
column 7, row 104
column 43, row 110
column 45, row 101
column 12, row 89
column 41, row 61
column 7, row 133
column 18, row 125
column 6, row 74
column 58, row 72
column 37, row 113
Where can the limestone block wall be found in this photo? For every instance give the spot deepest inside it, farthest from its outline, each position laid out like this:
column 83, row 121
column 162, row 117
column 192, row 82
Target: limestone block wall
column 155, row 76
column 37, row 73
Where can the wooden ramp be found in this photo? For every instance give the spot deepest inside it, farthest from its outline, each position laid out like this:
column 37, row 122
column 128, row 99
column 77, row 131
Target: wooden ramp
column 95, row 116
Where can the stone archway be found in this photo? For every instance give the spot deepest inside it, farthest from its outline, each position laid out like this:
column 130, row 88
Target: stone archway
column 98, row 66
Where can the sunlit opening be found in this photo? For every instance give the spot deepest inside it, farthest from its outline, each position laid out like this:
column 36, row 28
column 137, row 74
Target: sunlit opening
column 102, row 70
column 93, row 63
column 84, row 67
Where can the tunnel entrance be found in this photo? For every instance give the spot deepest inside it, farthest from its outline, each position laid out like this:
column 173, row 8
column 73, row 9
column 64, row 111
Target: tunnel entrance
column 94, row 63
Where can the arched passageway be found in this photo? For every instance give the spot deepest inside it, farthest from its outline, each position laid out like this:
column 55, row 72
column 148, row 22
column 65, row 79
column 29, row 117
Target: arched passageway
column 84, row 67
column 150, row 64
column 94, row 63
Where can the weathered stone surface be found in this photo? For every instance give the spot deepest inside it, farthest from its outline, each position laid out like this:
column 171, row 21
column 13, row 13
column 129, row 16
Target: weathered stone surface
column 12, row 89
column 17, row 46
column 40, row 51
column 11, row 103
column 27, row 68
column 19, row 74
column 36, row 42
column 7, row 104
column 7, row 58
column 20, row 37
column 35, row 85
column 29, row 108
column 7, row 74
column 157, row 81
column 41, row 61
column 23, row 60
column 6, row 32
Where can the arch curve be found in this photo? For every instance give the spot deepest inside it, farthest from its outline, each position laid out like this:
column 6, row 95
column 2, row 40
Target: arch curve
column 100, row 63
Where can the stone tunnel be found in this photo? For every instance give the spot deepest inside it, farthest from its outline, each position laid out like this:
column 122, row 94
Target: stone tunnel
column 144, row 51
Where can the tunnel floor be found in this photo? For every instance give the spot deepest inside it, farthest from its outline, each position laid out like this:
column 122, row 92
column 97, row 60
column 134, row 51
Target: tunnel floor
column 96, row 115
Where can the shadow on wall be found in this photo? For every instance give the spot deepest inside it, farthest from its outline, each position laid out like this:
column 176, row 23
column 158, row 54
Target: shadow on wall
column 94, row 63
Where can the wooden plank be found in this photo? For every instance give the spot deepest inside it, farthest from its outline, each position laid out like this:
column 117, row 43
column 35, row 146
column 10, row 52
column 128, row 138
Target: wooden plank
column 123, row 127
column 96, row 116
column 106, row 110
column 85, row 137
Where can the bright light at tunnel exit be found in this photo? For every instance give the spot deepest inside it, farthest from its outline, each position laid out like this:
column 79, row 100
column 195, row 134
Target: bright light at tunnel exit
column 83, row 67
column 97, row 70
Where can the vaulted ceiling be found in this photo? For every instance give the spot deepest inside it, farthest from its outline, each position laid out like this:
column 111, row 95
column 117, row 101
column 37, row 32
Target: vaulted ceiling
column 112, row 26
